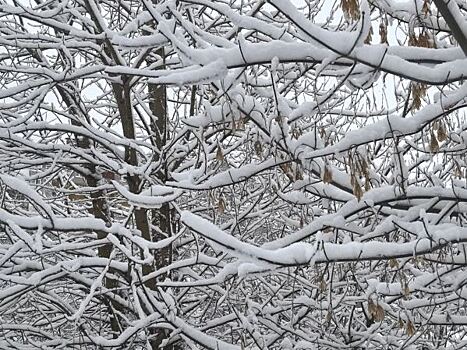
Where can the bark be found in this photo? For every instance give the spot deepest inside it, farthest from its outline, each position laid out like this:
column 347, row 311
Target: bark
column 161, row 218
column 451, row 21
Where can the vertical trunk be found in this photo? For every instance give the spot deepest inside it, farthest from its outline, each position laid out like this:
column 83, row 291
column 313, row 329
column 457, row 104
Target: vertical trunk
column 122, row 93
column 159, row 122
column 99, row 207
column 123, row 98
column 161, row 217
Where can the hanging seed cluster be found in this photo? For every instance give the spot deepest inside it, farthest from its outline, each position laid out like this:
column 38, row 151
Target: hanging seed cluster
column 219, row 153
column 422, row 40
column 369, row 37
column 418, row 93
column 327, row 175
column 383, row 32
column 419, row 89
column 293, row 172
column 376, row 311
column 426, row 10
column 440, row 136
column 351, row 9
column 358, row 169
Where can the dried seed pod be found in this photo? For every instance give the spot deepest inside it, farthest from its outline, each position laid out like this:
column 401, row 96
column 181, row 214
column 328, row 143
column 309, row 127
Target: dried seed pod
column 423, row 40
column 363, row 167
column 393, row 263
column 221, row 205
column 406, row 290
column 351, row 9
column 367, row 183
column 322, row 133
column 233, row 126
column 219, row 153
column 211, row 197
column 409, row 328
column 426, row 7
column 296, row 133
column 379, row 313
column 258, row 149
column 322, row 285
column 298, row 173
column 434, row 146
column 327, row 175
column 401, row 323
column 369, row 37
column 357, row 191
column 383, row 33
column 458, row 171
column 442, row 134
column 285, row 167
column 418, row 92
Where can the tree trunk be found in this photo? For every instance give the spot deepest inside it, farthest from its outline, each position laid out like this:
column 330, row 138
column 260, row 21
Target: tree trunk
column 161, row 217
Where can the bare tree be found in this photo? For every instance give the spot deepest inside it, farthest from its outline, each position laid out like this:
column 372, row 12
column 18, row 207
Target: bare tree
column 233, row 174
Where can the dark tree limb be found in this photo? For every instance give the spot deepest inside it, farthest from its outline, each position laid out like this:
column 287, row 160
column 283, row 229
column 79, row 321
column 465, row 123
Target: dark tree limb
column 452, row 22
